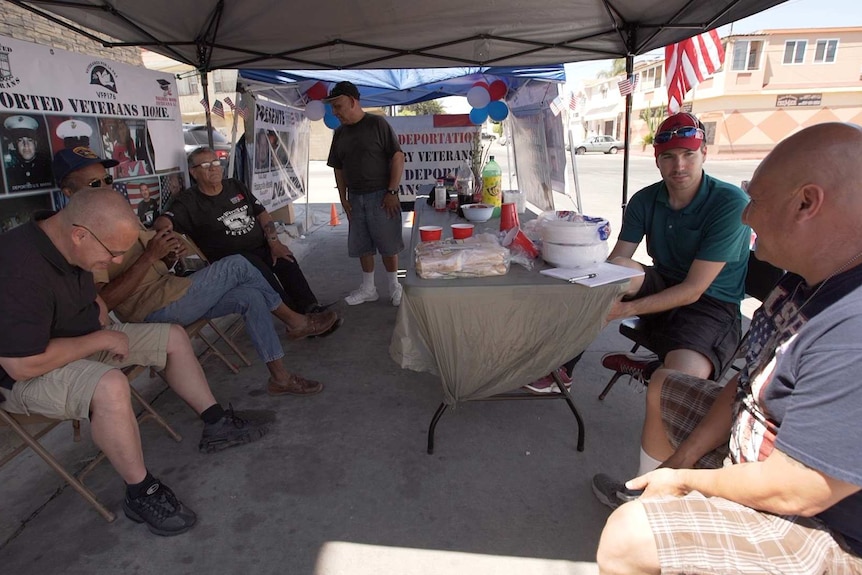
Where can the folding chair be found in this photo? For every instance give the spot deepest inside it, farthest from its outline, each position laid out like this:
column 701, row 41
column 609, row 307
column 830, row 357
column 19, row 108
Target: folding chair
column 18, row 424
column 760, row 278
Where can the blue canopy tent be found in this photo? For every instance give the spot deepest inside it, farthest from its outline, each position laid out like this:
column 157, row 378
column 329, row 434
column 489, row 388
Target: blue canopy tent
column 403, row 87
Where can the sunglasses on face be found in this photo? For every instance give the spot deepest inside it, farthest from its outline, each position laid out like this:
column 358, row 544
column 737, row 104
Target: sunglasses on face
column 207, row 165
column 97, row 183
column 682, row 132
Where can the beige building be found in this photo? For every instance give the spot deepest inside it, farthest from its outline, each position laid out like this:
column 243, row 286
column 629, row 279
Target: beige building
column 772, row 83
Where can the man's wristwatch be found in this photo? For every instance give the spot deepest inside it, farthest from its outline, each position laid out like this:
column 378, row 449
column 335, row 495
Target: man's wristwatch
column 393, row 192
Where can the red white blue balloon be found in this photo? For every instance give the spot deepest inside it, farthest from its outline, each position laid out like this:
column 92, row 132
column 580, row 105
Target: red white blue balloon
column 315, row 110
column 478, row 96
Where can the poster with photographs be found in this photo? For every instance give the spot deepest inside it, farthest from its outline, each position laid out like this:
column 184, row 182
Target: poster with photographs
column 51, row 99
column 280, row 155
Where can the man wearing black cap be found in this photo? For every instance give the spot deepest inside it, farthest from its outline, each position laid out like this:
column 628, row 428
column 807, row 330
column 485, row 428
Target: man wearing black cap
column 368, row 164
column 80, row 167
column 690, row 296
column 30, row 168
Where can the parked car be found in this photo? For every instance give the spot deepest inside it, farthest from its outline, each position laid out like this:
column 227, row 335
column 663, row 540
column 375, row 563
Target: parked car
column 195, row 136
column 603, row 144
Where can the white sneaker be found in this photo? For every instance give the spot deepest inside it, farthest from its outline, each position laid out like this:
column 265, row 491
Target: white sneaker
column 395, row 296
column 361, row 296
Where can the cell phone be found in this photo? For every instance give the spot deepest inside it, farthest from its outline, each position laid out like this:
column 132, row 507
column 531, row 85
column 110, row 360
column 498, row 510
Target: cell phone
column 627, row 494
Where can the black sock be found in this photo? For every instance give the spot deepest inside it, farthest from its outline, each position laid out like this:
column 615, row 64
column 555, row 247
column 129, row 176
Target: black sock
column 212, row 414
column 137, row 489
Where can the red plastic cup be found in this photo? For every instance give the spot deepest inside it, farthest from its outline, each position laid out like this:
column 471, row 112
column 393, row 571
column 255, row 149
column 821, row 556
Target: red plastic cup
column 430, row 233
column 518, row 240
column 509, row 217
column 462, row 231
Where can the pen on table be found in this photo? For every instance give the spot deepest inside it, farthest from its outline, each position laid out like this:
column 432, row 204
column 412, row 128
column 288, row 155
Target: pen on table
column 584, row 277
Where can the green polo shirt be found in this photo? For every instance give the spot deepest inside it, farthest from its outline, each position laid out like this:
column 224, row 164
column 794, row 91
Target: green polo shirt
column 710, row 228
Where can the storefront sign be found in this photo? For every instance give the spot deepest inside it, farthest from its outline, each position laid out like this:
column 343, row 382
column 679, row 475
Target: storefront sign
column 792, row 100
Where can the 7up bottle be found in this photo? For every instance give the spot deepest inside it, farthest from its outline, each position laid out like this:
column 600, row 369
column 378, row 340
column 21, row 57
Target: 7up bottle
column 492, row 183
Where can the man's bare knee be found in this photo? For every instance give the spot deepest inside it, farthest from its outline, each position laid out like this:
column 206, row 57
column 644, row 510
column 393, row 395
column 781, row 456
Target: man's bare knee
column 111, row 392
column 627, row 544
column 178, row 339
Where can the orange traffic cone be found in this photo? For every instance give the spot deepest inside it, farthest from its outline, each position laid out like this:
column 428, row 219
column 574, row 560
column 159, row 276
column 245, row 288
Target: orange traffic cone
column 333, row 216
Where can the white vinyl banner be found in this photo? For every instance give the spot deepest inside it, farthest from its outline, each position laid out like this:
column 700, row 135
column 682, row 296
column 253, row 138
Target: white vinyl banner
column 280, row 154
column 434, row 147
column 51, row 99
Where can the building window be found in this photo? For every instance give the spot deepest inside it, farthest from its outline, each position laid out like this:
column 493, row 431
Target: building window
column 794, row 51
column 746, row 55
column 649, row 79
column 223, row 81
column 824, row 51
column 188, row 85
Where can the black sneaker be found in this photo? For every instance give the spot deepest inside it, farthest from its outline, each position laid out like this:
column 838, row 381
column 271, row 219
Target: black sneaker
column 160, row 509
column 230, row 430
column 607, row 490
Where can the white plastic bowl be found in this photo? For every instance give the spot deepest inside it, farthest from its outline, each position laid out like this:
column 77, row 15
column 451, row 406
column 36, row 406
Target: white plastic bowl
column 477, row 212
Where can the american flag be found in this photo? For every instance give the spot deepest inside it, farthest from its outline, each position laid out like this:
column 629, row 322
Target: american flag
column 627, row 85
column 573, row 102
column 218, row 109
column 688, row 63
column 556, row 105
column 241, row 110
column 132, row 191
column 205, row 104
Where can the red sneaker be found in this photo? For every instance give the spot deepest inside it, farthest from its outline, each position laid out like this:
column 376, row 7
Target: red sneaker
column 638, row 367
column 547, row 384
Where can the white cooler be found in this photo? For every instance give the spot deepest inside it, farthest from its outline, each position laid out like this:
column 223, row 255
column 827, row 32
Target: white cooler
column 573, row 244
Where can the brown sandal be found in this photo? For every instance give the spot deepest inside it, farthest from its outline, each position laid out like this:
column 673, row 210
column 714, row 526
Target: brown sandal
column 295, row 385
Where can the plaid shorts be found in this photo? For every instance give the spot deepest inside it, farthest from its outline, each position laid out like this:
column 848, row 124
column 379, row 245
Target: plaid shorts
column 685, row 401
column 696, row 534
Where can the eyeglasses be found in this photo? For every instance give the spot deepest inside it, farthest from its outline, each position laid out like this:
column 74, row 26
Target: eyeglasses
column 681, row 132
column 95, row 237
column 207, row 165
column 98, row 182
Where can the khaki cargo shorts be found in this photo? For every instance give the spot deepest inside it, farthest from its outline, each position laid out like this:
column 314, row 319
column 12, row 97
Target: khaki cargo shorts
column 66, row 392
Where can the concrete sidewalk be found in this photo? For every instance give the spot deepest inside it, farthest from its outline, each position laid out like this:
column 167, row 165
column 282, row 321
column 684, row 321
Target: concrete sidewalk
column 342, row 483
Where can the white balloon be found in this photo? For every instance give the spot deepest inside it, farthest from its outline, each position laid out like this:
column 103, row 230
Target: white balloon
column 478, row 96
column 315, row 110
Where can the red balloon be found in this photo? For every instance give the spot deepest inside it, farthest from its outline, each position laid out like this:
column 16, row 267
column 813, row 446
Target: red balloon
column 497, row 89
column 317, row 91
column 483, row 84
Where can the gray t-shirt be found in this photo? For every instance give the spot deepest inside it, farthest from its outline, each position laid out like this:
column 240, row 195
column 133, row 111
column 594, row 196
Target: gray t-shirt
column 807, row 401
column 363, row 151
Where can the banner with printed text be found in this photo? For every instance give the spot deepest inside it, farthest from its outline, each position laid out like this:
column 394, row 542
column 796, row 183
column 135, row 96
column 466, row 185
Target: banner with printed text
column 434, row 147
column 51, row 99
column 279, row 154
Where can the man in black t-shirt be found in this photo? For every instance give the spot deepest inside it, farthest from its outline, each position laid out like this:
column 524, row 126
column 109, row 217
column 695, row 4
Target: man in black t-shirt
column 223, row 218
column 148, row 207
column 368, row 163
column 59, row 355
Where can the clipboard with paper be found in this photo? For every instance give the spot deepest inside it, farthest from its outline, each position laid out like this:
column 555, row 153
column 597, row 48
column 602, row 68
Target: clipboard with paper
column 593, row 275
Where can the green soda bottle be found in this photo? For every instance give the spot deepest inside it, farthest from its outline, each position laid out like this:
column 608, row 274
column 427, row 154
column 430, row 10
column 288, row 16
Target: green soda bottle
column 492, row 186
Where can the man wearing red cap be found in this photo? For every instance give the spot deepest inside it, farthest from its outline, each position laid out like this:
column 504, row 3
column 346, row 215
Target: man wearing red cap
column 690, row 296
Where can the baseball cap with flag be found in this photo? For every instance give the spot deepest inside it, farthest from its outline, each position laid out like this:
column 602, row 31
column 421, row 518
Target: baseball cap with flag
column 681, row 130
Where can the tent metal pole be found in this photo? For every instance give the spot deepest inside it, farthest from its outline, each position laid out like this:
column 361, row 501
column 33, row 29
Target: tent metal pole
column 630, row 64
column 205, row 86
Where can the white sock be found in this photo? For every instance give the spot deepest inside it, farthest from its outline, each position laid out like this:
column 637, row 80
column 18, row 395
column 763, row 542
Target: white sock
column 393, row 280
column 647, row 463
column 368, row 281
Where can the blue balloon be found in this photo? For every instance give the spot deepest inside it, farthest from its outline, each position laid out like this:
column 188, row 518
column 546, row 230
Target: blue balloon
column 498, row 110
column 331, row 121
column 479, row 115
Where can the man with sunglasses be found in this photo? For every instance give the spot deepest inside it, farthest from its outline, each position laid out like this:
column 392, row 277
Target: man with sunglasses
column 142, row 289
column 60, row 356
column 223, row 218
column 689, row 298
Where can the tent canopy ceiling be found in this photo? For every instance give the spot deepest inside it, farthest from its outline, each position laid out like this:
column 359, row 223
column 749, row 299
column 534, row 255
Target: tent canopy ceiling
column 332, row 34
column 402, row 87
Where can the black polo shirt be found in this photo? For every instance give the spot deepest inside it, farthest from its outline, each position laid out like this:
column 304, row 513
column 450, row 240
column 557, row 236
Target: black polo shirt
column 42, row 296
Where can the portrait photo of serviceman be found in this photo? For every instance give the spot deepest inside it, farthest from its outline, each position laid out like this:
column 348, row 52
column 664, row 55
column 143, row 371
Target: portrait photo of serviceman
column 26, row 156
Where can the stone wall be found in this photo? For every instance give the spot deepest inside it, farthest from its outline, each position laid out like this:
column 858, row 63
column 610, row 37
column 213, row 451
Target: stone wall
column 24, row 25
